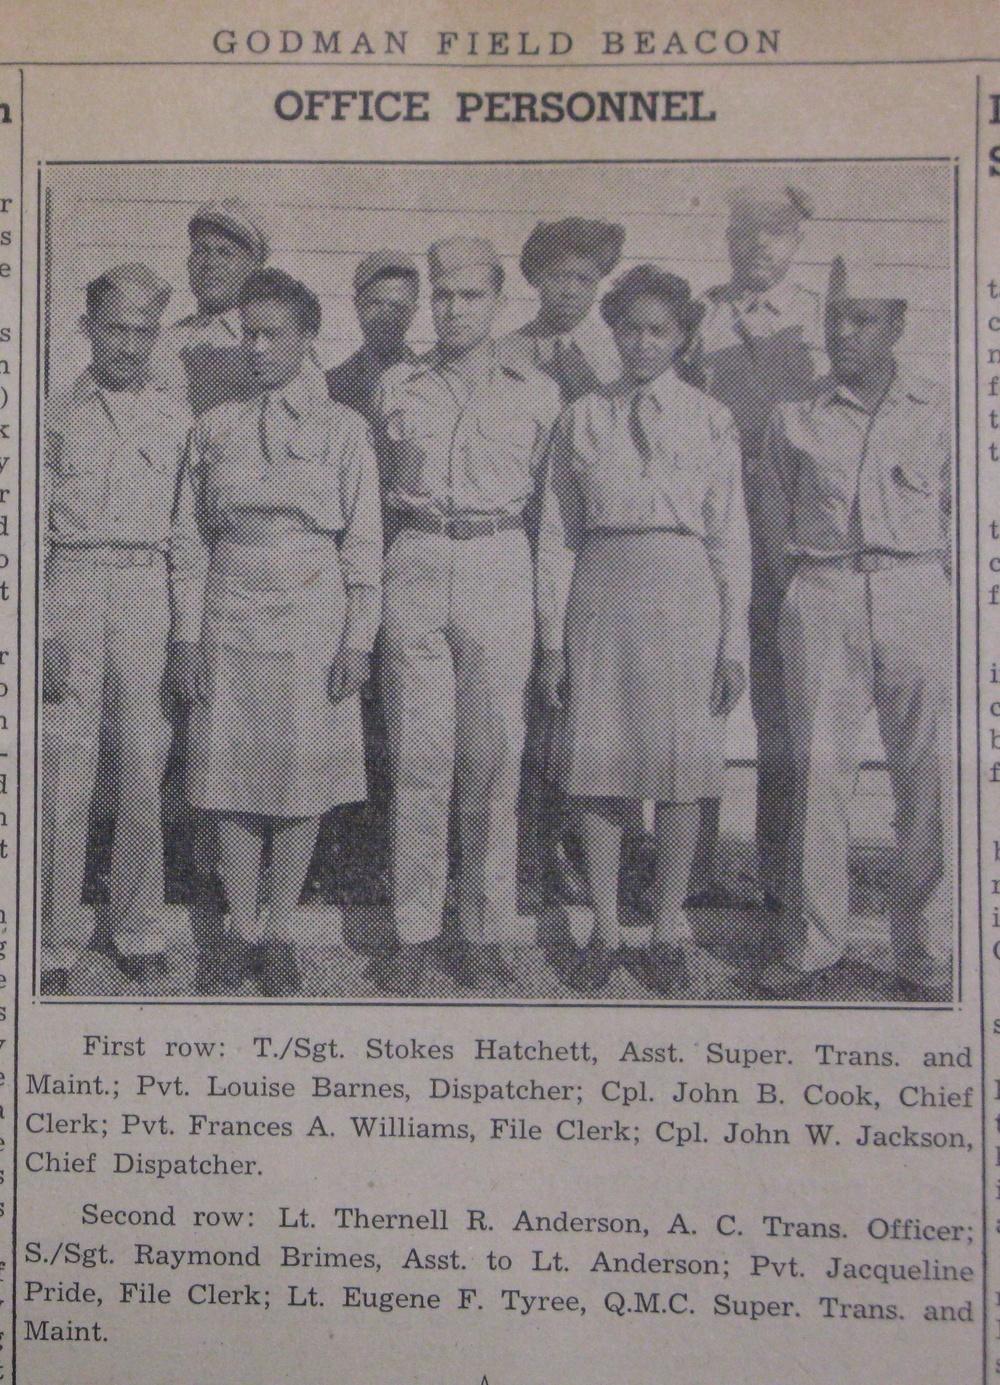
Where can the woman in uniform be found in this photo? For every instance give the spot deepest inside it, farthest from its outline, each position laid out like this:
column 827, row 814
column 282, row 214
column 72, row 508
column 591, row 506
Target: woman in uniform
column 642, row 595
column 283, row 497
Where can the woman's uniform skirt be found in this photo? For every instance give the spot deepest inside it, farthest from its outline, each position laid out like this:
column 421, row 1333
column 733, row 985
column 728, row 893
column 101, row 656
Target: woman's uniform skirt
column 642, row 640
column 269, row 740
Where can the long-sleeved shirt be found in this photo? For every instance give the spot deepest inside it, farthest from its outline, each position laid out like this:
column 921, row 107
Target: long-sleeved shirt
column 853, row 478
column 112, row 459
column 659, row 456
column 291, row 452
column 463, row 436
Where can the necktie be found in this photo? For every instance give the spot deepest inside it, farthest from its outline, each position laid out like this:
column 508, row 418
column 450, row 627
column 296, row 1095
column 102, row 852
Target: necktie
column 637, row 430
column 571, row 370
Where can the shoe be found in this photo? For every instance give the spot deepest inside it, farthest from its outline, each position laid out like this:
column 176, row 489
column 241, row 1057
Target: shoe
column 223, row 969
column 142, row 967
column 780, row 981
column 479, row 966
column 718, row 896
column 399, row 970
column 567, row 881
column 590, row 968
column 922, row 993
column 662, row 968
column 276, row 968
column 54, row 981
column 711, row 977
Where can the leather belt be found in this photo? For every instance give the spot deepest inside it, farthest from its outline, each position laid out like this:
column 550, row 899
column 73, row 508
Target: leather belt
column 461, row 526
column 868, row 560
column 109, row 554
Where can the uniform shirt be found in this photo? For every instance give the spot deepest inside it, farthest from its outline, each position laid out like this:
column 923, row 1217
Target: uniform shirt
column 853, row 478
column 355, row 381
column 759, row 349
column 461, row 437
column 287, row 452
column 579, row 361
column 205, row 353
column 112, row 460
column 663, row 456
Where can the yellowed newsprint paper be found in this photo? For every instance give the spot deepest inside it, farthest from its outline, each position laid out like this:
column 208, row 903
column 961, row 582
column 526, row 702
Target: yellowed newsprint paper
column 499, row 693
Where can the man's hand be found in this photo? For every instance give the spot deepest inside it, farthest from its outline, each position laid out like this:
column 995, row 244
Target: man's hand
column 55, row 670
column 186, row 677
column 728, row 686
column 348, row 674
column 552, row 679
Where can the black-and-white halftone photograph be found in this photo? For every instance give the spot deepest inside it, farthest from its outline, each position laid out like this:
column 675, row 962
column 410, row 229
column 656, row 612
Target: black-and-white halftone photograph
column 498, row 583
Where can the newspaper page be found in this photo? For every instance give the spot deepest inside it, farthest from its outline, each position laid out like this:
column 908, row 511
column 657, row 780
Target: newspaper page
column 499, row 693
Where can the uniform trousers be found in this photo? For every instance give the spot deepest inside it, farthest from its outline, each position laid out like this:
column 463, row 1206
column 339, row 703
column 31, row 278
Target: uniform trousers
column 113, row 619
column 457, row 638
column 850, row 641
column 774, row 750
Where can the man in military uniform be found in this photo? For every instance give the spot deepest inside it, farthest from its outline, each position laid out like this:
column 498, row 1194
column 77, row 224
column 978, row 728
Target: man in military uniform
column 114, row 444
column 864, row 475
column 386, row 292
column 761, row 342
column 565, row 262
column 460, row 437
column 227, row 245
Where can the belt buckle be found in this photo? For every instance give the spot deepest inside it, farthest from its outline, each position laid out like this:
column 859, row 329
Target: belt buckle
column 462, row 528
column 868, row 562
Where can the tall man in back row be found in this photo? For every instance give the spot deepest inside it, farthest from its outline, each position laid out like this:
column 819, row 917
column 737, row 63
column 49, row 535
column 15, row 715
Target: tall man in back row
column 863, row 476
column 460, row 436
column 761, row 342
column 227, row 244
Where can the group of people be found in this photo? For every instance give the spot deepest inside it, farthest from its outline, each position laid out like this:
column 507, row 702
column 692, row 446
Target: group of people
column 558, row 555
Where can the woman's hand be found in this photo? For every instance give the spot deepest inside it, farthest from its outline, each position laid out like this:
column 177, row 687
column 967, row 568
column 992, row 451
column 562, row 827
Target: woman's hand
column 552, row 678
column 186, row 677
column 728, row 686
column 55, row 670
column 348, row 674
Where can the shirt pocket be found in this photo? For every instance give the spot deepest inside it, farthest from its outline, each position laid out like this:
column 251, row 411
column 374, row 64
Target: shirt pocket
column 310, row 483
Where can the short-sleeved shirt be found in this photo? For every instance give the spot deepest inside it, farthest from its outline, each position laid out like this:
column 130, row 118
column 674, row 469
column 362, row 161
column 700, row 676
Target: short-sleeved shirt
column 461, row 437
column 205, row 351
column 856, row 478
column 760, row 349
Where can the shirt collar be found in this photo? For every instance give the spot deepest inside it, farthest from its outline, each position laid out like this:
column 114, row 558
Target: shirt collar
column 301, row 395
column 662, row 391
column 778, row 300
column 904, row 385
column 476, row 365
column 86, row 386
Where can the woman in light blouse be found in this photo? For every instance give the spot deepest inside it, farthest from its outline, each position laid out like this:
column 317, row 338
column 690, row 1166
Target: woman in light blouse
column 642, row 595
column 282, row 501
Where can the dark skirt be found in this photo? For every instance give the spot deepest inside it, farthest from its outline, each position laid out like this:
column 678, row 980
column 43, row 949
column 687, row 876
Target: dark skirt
column 642, row 639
